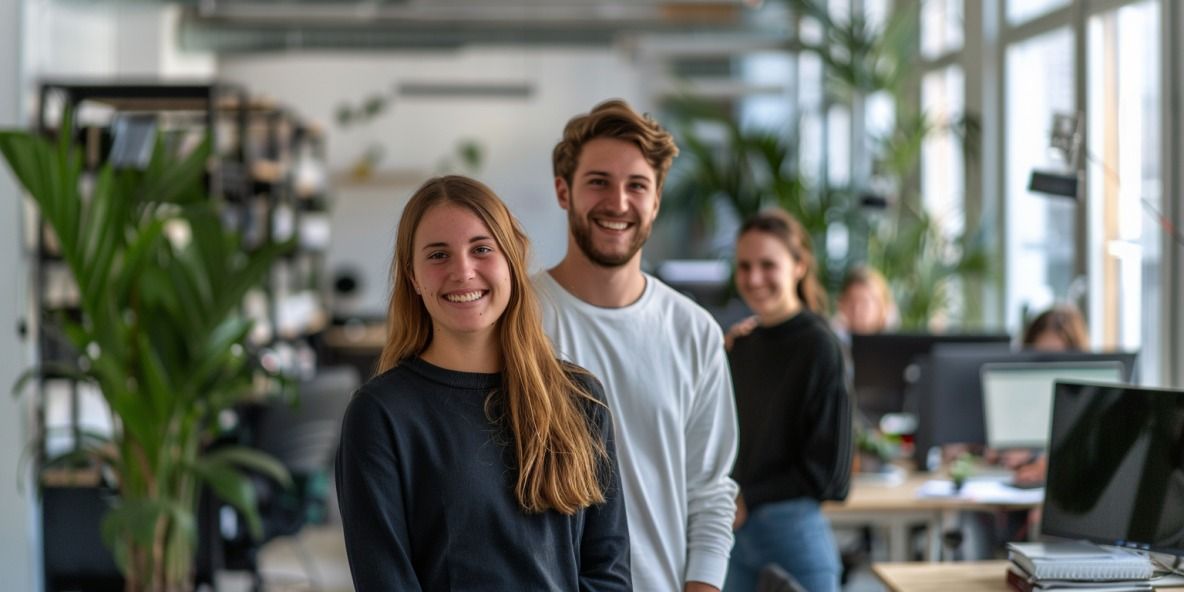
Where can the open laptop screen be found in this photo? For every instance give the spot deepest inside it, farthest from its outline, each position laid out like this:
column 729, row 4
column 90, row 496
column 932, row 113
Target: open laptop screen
column 1116, row 466
column 1017, row 398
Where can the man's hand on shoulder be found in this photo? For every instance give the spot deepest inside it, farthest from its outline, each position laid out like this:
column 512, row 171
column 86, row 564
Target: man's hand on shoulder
column 699, row 587
column 740, row 329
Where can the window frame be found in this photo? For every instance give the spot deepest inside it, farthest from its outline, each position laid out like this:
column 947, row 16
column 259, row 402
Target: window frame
column 989, row 32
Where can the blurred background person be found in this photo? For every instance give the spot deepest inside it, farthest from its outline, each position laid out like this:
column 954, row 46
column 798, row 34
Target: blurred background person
column 865, row 304
column 1060, row 328
column 793, row 408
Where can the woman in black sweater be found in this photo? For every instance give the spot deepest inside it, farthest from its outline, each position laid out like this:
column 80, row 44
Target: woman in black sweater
column 475, row 460
column 793, row 409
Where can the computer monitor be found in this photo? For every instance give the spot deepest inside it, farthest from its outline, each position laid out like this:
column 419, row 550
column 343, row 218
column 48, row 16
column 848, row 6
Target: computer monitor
column 1116, row 466
column 1017, row 398
column 948, row 400
column 879, row 362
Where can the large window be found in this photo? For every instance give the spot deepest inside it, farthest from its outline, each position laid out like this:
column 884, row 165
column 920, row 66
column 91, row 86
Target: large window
column 1020, row 11
column 943, row 176
column 812, row 125
column 1040, row 230
column 1123, row 161
column 941, row 27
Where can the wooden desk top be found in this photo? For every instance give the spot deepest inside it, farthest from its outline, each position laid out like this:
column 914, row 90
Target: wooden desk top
column 871, row 496
column 969, row 576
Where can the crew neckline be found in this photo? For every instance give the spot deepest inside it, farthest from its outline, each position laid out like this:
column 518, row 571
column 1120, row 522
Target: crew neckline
column 800, row 318
column 581, row 304
column 453, row 378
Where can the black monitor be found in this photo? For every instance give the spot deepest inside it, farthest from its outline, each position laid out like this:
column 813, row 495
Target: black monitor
column 879, row 362
column 948, row 398
column 1116, row 467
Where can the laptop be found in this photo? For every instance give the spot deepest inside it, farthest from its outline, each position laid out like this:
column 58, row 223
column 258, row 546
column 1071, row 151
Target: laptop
column 1017, row 398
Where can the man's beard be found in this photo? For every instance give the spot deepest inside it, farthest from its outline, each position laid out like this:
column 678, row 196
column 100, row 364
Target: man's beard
column 581, row 230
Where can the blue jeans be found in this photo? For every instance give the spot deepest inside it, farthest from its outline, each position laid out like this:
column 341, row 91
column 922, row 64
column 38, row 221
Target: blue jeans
column 792, row 534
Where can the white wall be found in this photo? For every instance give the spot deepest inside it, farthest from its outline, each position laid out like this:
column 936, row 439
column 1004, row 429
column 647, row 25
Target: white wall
column 20, row 557
column 81, row 40
column 416, row 133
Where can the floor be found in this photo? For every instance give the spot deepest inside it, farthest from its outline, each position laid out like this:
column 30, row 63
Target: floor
column 315, row 560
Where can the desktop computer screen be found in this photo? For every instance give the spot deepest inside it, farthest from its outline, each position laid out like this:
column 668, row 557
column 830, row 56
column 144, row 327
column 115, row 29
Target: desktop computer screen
column 879, row 362
column 948, row 398
column 1017, row 398
column 1116, row 466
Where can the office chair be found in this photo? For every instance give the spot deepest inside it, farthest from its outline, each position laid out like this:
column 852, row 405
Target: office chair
column 774, row 579
column 303, row 437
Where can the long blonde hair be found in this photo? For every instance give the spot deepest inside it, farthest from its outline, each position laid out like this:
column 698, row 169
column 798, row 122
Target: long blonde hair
column 541, row 404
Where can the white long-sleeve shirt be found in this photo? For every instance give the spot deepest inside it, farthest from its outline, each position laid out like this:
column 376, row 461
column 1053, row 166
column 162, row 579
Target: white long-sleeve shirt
column 665, row 374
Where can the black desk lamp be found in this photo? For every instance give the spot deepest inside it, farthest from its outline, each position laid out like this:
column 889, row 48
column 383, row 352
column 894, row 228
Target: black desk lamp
column 1066, row 140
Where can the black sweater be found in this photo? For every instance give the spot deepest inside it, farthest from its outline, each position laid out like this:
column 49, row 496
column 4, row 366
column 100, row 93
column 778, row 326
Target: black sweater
column 794, row 413
column 425, row 482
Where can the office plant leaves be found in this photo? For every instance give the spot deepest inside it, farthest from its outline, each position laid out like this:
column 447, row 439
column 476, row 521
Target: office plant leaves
column 159, row 333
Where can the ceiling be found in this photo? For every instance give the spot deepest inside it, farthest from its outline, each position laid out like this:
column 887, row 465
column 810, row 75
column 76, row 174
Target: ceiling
column 265, row 25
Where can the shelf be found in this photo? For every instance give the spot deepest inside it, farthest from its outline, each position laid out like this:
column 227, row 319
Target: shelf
column 88, row 477
column 251, row 192
column 380, row 179
column 145, row 96
column 312, row 203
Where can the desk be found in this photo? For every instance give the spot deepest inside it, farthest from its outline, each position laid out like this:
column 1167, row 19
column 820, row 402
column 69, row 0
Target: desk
column 970, row 576
column 896, row 507
column 365, row 337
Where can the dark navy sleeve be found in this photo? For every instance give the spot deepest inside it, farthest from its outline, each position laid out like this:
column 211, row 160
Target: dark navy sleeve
column 828, row 448
column 604, row 546
column 370, row 493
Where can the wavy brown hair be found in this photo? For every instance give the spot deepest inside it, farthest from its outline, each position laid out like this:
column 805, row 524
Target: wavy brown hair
column 785, row 228
column 614, row 119
column 540, row 404
column 1064, row 321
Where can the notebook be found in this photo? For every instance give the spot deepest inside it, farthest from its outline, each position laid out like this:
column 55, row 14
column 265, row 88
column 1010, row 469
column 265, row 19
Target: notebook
column 1021, row 582
column 1079, row 560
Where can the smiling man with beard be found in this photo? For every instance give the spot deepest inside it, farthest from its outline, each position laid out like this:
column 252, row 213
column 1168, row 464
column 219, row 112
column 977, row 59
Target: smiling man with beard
column 660, row 355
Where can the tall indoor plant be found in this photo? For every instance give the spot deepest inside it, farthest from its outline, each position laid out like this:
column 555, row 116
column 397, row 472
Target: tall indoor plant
column 752, row 168
column 160, row 334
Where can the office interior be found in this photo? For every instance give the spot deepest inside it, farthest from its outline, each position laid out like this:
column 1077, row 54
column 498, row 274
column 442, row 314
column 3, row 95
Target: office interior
column 993, row 157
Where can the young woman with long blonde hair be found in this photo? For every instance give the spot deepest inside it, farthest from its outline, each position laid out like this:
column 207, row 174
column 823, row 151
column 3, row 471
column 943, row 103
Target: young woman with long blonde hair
column 475, row 459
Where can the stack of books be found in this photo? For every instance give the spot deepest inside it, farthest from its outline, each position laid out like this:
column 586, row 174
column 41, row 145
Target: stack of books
column 1077, row 566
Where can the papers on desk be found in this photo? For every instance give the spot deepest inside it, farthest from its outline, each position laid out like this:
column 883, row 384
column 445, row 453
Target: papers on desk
column 887, row 475
column 986, row 491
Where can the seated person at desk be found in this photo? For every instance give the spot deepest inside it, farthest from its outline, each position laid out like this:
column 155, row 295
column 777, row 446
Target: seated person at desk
column 793, row 410
column 1058, row 329
column 865, row 304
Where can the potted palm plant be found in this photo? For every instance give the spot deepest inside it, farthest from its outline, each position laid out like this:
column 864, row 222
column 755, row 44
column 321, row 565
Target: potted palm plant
column 751, row 169
column 160, row 334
